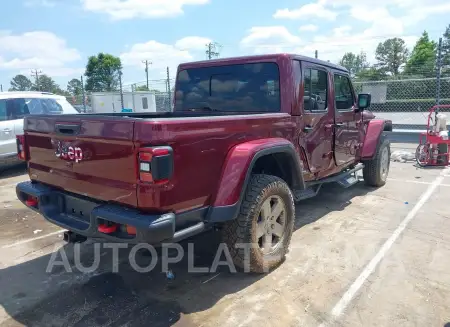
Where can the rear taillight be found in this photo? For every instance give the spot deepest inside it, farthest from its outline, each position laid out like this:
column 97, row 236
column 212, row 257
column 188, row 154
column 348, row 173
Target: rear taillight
column 155, row 165
column 21, row 148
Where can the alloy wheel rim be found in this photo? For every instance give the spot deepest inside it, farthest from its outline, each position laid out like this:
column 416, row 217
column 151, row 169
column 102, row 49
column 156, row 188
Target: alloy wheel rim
column 271, row 223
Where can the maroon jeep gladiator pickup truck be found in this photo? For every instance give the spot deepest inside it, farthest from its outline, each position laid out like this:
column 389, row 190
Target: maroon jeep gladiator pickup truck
column 247, row 138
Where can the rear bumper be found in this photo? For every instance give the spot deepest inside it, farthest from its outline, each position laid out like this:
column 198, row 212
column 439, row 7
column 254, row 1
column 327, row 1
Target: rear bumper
column 83, row 216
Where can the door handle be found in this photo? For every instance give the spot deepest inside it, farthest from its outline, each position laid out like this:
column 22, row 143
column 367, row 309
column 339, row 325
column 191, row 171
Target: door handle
column 307, row 129
column 338, row 125
column 7, row 130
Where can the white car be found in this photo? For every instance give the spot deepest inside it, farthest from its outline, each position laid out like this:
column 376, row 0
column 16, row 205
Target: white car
column 14, row 106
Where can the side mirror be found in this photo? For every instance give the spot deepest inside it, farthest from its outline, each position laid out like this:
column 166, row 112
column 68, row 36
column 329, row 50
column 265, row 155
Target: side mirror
column 364, row 100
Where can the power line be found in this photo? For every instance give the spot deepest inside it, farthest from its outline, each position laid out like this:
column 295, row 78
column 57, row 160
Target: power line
column 212, row 51
column 146, row 62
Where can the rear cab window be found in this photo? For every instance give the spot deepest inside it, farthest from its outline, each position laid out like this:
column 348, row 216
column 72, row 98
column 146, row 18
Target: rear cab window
column 250, row 87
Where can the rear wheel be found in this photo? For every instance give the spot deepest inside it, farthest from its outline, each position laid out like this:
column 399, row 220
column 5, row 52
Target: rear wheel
column 258, row 239
column 375, row 171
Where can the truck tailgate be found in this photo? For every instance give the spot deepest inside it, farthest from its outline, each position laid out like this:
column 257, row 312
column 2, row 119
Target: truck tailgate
column 91, row 156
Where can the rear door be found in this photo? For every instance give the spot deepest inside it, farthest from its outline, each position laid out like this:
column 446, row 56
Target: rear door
column 90, row 156
column 318, row 117
column 346, row 121
column 7, row 137
column 9, row 116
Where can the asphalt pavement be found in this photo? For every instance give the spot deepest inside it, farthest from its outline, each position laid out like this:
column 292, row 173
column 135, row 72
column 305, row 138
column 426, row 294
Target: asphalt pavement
column 359, row 257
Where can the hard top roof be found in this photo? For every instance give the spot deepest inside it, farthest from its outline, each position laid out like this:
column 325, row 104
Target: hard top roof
column 243, row 59
column 28, row 94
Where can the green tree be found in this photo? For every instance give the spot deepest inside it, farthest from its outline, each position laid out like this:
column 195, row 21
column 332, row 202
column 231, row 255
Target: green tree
column 46, row 84
column 371, row 74
column 422, row 61
column 141, row 88
column 391, row 55
column 21, row 83
column 355, row 63
column 62, row 92
column 102, row 72
column 446, row 51
column 74, row 87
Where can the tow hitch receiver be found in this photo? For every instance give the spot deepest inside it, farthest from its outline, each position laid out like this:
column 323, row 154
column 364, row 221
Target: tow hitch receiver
column 71, row 237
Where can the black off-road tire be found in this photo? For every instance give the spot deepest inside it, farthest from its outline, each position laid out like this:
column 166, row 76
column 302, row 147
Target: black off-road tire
column 372, row 172
column 242, row 230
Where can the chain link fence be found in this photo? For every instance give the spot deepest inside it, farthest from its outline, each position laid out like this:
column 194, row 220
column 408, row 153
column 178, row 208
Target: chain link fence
column 134, row 97
column 405, row 101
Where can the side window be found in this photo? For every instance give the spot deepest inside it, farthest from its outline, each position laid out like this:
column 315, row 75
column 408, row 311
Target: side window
column 13, row 109
column 343, row 93
column 51, row 107
column 316, row 90
column 34, row 106
column 3, row 114
column 144, row 103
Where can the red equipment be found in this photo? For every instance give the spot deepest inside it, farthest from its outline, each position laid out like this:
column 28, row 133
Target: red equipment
column 433, row 146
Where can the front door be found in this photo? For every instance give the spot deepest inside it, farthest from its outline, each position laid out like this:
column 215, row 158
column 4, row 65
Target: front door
column 347, row 121
column 318, row 118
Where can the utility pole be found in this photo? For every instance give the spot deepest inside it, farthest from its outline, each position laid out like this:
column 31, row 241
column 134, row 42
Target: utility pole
column 212, row 50
column 438, row 72
column 36, row 73
column 1, row 87
column 121, row 91
column 146, row 62
column 168, row 88
column 316, row 54
column 82, row 91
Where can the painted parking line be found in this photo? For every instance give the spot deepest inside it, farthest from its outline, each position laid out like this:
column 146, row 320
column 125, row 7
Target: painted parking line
column 12, row 185
column 348, row 296
column 415, row 182
column 32, row 239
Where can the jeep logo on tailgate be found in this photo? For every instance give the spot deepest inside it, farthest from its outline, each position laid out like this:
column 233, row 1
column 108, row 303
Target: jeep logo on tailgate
column 68, row 152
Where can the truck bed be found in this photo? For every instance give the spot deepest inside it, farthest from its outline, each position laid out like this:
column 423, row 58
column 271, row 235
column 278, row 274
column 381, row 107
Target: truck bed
column 110, row 146
column 179, row 114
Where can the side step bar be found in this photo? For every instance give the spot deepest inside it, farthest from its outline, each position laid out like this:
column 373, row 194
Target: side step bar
column 307, row 193
column 337, row 177
column 345, row 179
